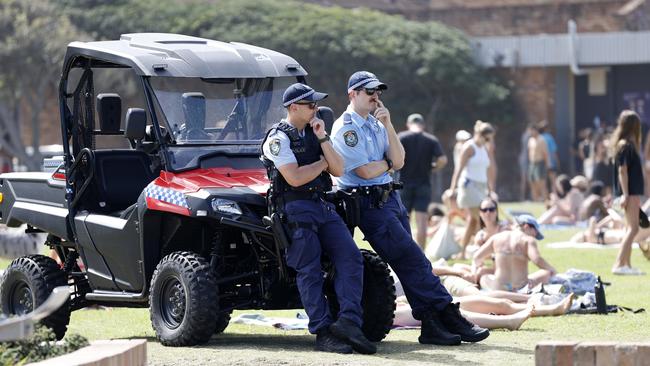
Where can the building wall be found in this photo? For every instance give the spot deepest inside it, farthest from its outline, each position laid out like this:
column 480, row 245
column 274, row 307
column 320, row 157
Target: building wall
column 514, row 17
column 628, row 86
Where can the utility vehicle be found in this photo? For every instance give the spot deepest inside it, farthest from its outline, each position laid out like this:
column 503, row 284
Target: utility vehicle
column 176, row 219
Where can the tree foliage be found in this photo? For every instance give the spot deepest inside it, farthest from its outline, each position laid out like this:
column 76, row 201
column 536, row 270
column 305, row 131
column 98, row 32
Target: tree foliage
column 429, row 67
column 32, row 45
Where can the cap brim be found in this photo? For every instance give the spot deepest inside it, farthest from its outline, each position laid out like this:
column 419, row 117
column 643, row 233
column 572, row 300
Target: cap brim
column 375, row 84
column 539, row 235
column 315, row 97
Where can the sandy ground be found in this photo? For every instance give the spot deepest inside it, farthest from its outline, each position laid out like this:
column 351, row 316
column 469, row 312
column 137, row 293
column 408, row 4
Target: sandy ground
column 296, row 348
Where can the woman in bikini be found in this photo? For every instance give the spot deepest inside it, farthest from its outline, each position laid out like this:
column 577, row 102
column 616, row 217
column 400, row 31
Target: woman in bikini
column 512, row 250
column 489, row 221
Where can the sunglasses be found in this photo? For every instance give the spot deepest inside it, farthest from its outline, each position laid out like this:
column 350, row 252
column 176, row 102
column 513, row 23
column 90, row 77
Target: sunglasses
column 311, row 105
column 488, row 209
column 371, row 91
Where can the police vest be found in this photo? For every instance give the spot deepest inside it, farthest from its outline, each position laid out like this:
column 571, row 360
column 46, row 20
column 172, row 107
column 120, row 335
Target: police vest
column 307, row 150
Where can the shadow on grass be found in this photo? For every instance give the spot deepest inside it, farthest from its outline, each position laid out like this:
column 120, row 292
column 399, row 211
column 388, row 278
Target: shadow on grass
column 386, row 350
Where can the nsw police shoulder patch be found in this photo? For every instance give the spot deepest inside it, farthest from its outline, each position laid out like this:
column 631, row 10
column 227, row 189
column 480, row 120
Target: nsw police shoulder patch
column 351, row 138
column 274, row 146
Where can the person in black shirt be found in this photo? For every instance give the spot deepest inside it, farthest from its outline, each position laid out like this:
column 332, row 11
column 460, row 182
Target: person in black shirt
column 423, row 154
column 602, row 167
column 628, row 184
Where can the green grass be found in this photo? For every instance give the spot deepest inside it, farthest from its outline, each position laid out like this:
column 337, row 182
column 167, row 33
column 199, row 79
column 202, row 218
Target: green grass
column 243, row 344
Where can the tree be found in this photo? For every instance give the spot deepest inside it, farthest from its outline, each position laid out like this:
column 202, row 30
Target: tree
column 32, row 46
column 428, row 66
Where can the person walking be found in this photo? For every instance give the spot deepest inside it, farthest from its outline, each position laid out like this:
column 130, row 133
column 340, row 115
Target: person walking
column 472, row 179
column 365, row 137
column 554, row 160
column 299, row 158
column 423, row 155
column 628, row 184
column 539, row 162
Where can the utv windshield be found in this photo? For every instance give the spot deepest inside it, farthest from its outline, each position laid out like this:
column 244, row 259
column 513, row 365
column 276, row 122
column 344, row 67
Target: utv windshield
column 206, row 111
column 202, row 114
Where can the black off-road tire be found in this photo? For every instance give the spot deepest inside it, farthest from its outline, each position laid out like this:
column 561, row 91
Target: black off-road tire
column 378, row 300
column 183, row 300
column 27, row 283
column 222, row 322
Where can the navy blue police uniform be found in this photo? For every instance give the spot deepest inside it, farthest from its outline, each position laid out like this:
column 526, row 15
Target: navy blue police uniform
column 314, row 226
column 384, row 220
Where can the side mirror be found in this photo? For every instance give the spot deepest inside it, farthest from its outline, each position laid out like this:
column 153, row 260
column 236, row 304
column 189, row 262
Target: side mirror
column 136, row 123
column 327, row 115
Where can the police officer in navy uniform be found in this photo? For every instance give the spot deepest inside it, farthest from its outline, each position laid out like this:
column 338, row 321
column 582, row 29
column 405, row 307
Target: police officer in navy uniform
column 300, row 157
column 371, row 149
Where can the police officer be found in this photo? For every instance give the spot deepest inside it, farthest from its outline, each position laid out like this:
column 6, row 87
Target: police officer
column 370, row 147
column 300, row 158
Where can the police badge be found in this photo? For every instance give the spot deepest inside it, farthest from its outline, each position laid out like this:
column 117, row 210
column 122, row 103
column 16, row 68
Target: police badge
column 350, row 138
column 274, row 146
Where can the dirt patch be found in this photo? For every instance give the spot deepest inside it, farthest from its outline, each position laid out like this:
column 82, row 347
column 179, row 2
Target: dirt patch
column 296, row 348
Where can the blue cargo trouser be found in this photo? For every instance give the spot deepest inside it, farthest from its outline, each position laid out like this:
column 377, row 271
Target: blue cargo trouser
column 388, row 231
column 327, row 234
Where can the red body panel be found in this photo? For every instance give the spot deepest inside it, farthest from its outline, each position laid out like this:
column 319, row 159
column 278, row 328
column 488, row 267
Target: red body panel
column 192, row 181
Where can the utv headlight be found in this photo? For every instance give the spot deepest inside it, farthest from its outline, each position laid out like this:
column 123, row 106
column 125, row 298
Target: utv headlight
column 225, row 206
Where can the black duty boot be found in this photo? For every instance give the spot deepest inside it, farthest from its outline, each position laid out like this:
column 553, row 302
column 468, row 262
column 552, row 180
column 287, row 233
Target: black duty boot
column 327, row 342
column 351, row 334
column 455, row 322
column 434, row 332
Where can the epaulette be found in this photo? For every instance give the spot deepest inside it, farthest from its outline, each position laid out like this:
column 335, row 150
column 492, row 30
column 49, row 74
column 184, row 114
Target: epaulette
column 347, row 118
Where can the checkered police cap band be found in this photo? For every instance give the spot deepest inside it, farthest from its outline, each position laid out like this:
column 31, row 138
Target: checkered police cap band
column 300, row 97
column 360, row 83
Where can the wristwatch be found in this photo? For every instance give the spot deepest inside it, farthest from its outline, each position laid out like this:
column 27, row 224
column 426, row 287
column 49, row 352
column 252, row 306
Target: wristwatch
column 389, row 163
column 324, row 139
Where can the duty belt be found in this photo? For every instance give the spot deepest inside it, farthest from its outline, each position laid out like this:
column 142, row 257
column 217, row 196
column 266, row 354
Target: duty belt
column 377, row 194
column 314, row 195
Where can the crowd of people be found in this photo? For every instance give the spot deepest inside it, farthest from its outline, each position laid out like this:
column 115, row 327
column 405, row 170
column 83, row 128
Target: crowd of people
column 455, row 303
column 611, row 182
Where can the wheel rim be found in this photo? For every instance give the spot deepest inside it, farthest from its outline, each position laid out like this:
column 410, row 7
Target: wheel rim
column 172, row 302
column 22, row 299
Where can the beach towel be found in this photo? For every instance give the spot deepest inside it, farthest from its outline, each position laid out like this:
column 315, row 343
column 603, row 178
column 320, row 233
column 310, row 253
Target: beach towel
column 298, row 323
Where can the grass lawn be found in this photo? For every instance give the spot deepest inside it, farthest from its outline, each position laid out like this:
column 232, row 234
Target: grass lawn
column 244, row 345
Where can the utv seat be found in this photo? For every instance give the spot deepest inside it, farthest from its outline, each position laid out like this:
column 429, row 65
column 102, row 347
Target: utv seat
column 120, row 177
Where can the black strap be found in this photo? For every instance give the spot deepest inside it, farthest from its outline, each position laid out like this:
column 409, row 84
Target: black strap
column 637, row 311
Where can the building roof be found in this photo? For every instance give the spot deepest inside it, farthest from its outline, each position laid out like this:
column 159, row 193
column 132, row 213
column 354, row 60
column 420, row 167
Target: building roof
column 164, row 54
column 589, row 49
